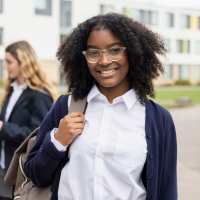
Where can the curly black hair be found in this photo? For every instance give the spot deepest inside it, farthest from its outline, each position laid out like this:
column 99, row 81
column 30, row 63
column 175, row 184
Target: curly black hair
column 142, row 46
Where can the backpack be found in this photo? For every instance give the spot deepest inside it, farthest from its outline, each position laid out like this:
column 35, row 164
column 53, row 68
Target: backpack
column 22, row 187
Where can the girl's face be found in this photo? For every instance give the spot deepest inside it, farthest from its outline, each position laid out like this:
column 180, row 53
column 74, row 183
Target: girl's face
column 106, row 72
column 13, row 66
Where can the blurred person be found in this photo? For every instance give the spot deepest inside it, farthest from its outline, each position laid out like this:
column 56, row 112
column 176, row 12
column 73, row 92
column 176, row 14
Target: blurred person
column 27, row 98
column 125, row 146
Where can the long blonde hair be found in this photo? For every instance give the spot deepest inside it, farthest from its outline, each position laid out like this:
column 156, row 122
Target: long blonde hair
column 30, row 68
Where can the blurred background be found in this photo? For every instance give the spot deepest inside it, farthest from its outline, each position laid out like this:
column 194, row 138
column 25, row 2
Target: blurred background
column 46, row 23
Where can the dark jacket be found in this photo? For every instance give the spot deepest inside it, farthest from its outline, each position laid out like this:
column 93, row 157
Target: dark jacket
column 159, row 174
column 23, row 119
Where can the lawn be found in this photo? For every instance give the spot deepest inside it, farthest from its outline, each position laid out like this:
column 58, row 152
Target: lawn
column 167, row 98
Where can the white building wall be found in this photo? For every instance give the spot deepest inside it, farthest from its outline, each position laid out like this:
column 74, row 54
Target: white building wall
column 19, row 22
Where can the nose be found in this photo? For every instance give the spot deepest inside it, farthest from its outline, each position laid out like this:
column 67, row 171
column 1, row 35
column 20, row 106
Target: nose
column 104, row 60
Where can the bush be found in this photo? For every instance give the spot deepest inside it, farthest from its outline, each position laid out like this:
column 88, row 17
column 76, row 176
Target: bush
column 1, row 82
column 182, row 82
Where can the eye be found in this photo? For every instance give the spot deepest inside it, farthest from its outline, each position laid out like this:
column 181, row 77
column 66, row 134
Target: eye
column 115, row 50
column 93, row 53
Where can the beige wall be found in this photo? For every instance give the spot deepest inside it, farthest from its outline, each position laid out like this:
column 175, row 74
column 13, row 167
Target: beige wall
column 51, row 69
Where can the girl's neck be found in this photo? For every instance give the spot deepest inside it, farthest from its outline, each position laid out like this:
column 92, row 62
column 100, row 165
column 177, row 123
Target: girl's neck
column 20, row 80
column 112, row 92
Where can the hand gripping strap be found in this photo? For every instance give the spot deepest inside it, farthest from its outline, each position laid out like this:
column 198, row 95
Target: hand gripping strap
column 78, row 105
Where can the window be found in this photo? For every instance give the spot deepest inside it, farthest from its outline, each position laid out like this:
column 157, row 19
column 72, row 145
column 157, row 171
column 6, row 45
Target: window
column 167, row 44
column 43, row 7
column 135, row 14
column 65, row 18
column 1, row 69
column 198, row 47
column 152, row 17
column 169, row 19
column 185, row 21
column 148, row 17
column 197, row 72
column 199, row 22
column 106, row 9
column 183, row 46
column 168, row 71
column 184, row 72
column 1, row 6
column 1, row 36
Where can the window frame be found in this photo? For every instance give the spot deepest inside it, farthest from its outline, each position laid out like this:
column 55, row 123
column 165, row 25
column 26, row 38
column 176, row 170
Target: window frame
column 44, row 12
column 169, row 15
column 188, row 25
column 102, row 5
column 1, row 36
column 65, row 30
column 188, row 67
column 1, row 6
column 170, row 69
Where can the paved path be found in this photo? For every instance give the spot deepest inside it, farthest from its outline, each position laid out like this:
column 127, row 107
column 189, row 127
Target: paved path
column 187, row 122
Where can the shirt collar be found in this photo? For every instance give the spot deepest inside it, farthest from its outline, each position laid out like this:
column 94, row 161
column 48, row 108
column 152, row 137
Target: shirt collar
column 129, row 98
column 16, row 86
column 93, row 93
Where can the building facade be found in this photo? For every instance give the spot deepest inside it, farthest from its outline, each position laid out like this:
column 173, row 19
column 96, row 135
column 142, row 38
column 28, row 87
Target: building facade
column 45, row 23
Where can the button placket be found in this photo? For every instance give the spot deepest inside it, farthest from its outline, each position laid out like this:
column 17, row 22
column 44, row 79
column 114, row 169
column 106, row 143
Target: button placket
column 100, row 150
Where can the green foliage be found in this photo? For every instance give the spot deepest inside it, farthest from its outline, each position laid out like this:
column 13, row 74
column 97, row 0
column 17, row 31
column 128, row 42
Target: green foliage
column 1, row 82
column 182, row 82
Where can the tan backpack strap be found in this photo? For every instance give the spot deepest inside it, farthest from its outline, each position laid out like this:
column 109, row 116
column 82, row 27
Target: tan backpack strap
column 78, row 105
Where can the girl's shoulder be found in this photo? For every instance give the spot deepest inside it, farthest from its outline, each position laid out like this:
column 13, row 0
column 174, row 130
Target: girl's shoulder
column 158, row 111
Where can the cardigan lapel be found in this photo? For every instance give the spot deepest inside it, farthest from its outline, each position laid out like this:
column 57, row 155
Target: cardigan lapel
column 3, row 111
column 22, row 98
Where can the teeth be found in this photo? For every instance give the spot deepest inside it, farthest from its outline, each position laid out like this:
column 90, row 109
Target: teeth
column 107, row 72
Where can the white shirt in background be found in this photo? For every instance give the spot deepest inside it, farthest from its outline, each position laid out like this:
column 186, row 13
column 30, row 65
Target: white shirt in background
column 107, row 159
column 17, row 91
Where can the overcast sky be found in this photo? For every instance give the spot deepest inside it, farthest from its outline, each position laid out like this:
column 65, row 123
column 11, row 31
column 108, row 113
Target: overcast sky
column 191, row 4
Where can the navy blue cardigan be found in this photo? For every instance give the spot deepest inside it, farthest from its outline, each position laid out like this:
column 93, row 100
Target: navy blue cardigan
column 159, row 174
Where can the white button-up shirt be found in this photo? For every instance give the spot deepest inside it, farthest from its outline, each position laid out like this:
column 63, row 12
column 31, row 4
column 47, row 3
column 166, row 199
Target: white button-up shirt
column 17, row 91
column 107, row 159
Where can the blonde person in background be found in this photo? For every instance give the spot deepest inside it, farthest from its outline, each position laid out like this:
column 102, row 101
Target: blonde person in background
column 27, row 98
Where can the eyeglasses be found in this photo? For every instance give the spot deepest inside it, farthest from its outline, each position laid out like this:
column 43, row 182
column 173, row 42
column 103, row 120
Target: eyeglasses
column 113, row 54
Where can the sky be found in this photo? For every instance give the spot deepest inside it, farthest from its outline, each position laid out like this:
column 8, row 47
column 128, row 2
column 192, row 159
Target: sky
column 188, row 4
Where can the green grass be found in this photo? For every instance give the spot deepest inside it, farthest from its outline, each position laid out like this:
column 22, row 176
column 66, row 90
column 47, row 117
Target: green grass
column 167, row 98
column 173, row 95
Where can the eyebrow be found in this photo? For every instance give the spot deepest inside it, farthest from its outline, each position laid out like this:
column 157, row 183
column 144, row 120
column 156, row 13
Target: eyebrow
column 110, row 45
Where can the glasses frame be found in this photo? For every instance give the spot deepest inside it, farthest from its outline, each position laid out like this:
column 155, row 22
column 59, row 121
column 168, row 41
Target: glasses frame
column 106, row 51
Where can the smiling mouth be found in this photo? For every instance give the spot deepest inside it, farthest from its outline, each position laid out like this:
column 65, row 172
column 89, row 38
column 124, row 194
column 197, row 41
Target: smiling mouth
column 108, row 71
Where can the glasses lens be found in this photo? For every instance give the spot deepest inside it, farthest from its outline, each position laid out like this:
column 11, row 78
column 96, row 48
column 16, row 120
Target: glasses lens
column 93, row 55
column 115, row 53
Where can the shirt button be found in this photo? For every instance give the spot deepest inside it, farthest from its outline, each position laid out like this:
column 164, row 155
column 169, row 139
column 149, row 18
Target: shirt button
column 150, row 176
column 101, row 97
column 99, row 154
column 149, row 135
column 104, row 130
column 149, row 196
column 98, row 182
column 108, row 108
column 151, row 156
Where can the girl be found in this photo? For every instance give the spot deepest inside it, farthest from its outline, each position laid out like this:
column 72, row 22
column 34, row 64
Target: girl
column 27, row 98
column 125, row 146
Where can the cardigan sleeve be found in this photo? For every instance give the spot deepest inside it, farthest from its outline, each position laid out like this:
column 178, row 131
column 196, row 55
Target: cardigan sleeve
column 44, row 158
column 169, row 176
column 14, row 132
